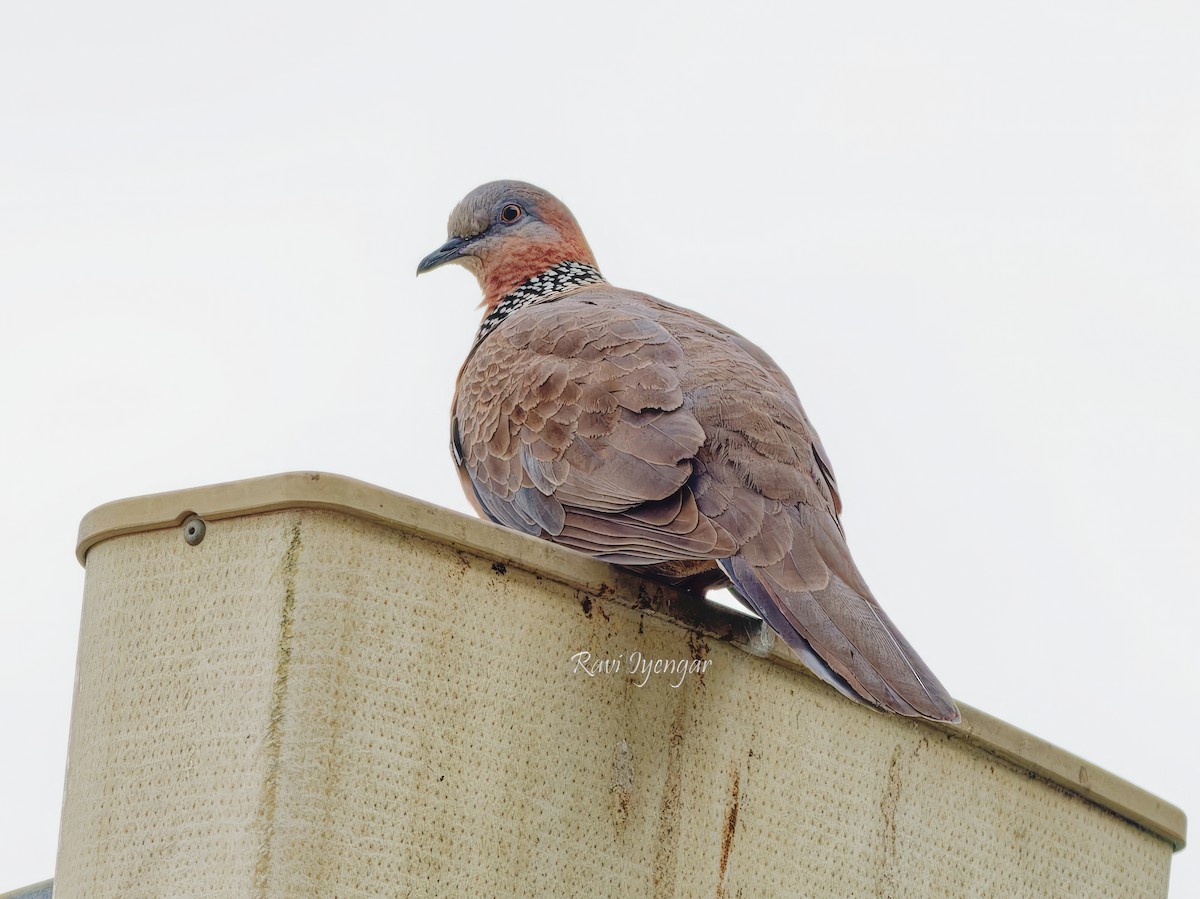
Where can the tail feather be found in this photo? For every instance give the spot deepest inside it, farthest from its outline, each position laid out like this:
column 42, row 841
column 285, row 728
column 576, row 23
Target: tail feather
column 847, row 640
column 756, row 595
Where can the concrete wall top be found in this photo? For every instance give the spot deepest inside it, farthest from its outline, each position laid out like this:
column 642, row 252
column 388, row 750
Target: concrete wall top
column 313, row 490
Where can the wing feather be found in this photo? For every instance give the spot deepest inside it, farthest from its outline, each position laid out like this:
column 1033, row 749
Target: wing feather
column 647, row 435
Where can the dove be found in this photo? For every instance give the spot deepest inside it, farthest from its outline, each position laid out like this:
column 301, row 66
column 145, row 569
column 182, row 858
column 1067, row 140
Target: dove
column 650, row 436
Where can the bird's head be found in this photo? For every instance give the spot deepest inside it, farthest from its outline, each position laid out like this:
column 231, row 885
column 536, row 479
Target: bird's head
column 506, row 232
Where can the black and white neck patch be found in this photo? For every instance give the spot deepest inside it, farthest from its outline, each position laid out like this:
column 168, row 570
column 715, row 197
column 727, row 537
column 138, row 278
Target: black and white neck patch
column 544, row 286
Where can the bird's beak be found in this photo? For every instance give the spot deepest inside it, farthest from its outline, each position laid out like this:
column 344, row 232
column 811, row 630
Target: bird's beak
column 447, row 252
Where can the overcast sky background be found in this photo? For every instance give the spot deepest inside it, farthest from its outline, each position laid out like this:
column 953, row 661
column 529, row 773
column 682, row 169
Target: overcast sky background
column 970, row 234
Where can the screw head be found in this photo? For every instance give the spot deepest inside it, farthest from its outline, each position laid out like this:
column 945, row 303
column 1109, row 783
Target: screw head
column 193, row 529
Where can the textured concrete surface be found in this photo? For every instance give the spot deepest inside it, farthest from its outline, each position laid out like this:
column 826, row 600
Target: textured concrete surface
column 310, row 703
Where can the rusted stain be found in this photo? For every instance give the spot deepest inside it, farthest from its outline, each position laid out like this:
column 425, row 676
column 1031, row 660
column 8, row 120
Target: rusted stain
column 699, row 650
column 885, row 882
column 646, row 600
column 622, row 789
column 666, row 837
column 288, row 567
column 464, row 560
column 730, row 825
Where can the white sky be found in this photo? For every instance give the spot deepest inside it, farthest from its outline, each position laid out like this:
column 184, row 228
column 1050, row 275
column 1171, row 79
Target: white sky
column 971, row 235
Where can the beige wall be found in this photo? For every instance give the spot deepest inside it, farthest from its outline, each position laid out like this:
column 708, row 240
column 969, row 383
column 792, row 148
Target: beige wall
column 309, row 703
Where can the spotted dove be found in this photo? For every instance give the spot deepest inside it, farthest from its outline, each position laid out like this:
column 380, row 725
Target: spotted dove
column 647, row 435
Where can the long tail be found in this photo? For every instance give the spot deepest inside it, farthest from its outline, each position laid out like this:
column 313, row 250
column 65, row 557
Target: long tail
column 843, row 636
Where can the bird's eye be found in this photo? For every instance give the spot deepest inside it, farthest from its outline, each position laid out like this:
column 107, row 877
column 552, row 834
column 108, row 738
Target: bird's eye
column 510, row 213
